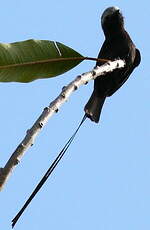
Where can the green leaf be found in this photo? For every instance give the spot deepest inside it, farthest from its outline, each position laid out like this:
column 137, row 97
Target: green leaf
column 29, row 60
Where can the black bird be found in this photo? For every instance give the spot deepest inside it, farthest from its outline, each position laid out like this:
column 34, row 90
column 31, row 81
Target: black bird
column 117, row 45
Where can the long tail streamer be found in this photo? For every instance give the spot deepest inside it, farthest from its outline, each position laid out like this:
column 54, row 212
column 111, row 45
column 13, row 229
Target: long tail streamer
column 47, row 174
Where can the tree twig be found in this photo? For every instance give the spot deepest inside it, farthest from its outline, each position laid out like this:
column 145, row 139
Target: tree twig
column 49, row 111
column 52, row 60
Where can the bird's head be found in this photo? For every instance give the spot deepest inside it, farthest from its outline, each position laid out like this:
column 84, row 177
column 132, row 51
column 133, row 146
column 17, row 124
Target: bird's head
column 112, row 18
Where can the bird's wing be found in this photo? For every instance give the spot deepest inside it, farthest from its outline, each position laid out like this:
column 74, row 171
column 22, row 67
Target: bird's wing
column 125, row 74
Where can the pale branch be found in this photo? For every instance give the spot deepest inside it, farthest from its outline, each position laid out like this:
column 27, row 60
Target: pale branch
column 50, row 110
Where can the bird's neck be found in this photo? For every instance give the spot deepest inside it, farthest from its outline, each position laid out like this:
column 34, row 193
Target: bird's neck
column 112, row 32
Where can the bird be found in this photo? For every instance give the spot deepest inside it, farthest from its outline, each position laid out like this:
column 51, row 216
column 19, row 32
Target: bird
column 117, row 45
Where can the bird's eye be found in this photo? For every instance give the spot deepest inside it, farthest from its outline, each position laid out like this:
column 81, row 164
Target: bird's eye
column 107, row 17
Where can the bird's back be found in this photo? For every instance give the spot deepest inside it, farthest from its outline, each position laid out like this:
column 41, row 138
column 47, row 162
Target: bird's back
column 119, row 46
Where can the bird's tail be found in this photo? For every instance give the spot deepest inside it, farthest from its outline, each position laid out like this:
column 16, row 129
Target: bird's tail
column 94, row 106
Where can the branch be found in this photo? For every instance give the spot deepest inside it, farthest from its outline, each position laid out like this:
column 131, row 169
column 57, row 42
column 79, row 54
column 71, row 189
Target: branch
column 50, row 110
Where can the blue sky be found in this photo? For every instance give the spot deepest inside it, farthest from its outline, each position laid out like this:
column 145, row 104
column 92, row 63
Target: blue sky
column 104, row 180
